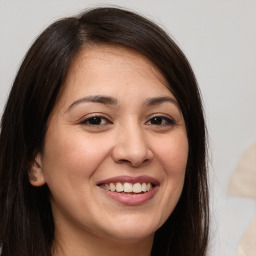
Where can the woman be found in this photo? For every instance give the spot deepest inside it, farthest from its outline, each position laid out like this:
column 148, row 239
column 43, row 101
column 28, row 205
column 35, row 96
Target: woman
column 102, row 147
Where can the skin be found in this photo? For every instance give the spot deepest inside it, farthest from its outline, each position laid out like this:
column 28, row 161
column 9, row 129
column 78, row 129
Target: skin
column 129, row 136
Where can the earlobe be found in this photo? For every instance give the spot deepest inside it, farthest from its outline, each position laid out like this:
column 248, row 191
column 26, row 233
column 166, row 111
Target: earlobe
column 35, row 174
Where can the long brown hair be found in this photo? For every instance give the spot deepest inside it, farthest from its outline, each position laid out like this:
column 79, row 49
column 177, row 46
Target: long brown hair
column 26, row 222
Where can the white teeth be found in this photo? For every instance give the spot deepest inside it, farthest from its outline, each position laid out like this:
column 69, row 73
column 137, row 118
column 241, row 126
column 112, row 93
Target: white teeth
column 136, row 188
column 149, row 186
column 112, row 187
column 143, row 187
column 119, row 187
column 128, row 187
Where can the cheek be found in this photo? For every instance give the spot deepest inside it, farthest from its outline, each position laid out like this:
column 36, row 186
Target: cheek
column 173, row 154
column 69, row 161
column 75, row 156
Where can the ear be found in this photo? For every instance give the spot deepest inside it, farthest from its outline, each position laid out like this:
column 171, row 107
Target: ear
column 35, row 174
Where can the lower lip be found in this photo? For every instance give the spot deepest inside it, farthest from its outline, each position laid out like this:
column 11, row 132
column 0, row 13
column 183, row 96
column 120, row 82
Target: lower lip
column 131, row 199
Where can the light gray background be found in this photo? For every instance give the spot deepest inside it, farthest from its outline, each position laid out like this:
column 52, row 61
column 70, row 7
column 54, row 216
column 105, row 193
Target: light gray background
column 219, row 39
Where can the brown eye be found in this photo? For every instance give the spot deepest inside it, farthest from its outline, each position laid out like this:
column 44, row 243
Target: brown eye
column 161, row 120
column 95, row 120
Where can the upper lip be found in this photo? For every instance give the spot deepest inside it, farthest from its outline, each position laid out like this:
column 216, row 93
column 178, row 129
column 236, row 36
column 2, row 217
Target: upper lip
column 130, row 179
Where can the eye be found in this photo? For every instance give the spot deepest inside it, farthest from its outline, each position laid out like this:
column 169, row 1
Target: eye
column 95, row 121
column 161, row 121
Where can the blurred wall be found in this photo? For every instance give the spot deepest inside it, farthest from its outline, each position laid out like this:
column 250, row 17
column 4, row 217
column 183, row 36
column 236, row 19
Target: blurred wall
column 219, row 38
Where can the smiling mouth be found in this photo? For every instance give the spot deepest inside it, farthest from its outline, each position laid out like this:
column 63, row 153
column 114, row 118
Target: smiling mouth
column 127, row 187
column 129, row 190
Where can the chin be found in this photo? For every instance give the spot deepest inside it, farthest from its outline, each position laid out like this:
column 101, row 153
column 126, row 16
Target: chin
column 133, row 231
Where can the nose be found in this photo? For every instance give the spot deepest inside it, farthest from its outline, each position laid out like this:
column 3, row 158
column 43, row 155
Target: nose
column 131, row 146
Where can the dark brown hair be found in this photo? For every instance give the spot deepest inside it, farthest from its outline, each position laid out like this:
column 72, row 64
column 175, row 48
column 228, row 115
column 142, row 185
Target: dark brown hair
column 26, row 222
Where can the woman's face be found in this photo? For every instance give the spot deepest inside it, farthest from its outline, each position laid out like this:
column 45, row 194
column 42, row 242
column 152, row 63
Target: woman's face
column 116, row 147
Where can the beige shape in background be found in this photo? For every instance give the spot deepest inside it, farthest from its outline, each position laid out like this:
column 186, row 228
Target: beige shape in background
column 243, row 183
column 247, row 246
column 243, row 180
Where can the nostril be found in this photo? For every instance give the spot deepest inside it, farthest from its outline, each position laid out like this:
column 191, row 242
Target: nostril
column 133, row 163
column 133, row 151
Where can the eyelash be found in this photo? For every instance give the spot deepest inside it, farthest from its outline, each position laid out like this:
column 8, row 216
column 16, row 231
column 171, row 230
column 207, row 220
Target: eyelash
column 167, row 121
column 95, row 120
column 159, row 120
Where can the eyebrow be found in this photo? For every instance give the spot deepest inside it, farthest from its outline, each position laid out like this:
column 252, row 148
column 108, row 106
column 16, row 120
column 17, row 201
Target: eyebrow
column 107, row 100
column 159, row 100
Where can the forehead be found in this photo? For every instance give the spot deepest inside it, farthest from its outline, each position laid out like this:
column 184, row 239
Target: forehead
column 102, row 59
column 112, row 70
